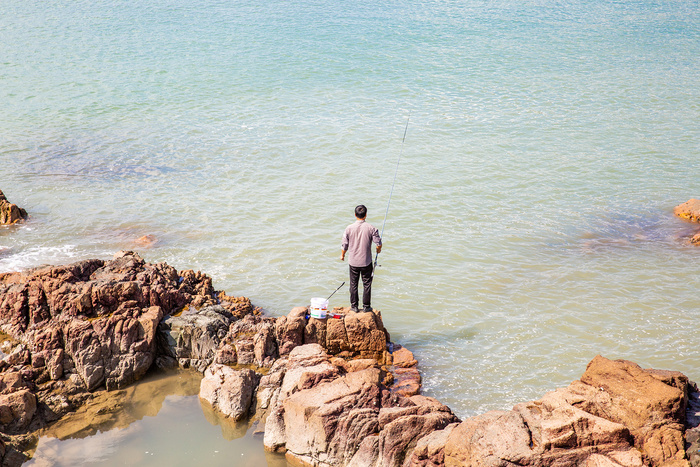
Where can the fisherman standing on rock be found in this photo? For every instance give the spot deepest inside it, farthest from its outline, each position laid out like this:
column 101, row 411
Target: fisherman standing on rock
column 357, row 240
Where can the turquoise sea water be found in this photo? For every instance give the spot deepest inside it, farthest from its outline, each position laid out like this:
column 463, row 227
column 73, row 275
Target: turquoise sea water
column 530, row 226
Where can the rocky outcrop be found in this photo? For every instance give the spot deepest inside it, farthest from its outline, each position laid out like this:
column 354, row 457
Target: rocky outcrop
column 229, row 391
column 325, row 392
column 617, row 414
column 97, row 319
column 10, row 213
column 103, row 324
column 322, row 414
column 191, row 339
column 690, row 210
column 70, row 330
column 353, row 335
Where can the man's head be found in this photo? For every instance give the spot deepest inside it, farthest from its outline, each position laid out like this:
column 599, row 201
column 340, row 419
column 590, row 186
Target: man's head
column 361, row 211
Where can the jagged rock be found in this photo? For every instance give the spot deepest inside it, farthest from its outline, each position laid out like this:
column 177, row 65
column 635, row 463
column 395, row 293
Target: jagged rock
column 354, row 365
column 11, row 381
column 402, row 357
column 400, row 429
column 88, row 325
column 304, row 363
column 10, row 213
column 690, row 210
column 324, row 414
column 193, row 337
column 253, row 341
column 617, row 414
column 289, row 330
column 229, row 391
column 115, row 350
column 430, row 449
column 88, row 289
column 650, row 403
column 338, row 416
column 692, row 433
column 268, row 393
column 226, row 355
column 366, row 334
column 14, row 447
column 17, row 409
column 237, row 306
column 353, row 335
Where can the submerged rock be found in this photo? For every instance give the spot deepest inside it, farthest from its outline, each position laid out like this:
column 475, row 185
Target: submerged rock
column 10, row 213
column 146, row 241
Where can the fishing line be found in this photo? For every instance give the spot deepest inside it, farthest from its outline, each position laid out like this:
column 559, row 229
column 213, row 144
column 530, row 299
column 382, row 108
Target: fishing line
column 391, row 192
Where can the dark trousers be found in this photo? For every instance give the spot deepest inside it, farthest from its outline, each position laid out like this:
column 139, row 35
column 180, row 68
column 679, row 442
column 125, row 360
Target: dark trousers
column 366, row 273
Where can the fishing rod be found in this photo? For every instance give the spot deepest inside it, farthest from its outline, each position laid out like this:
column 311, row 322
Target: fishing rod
column 391, row 192
column 329, row 297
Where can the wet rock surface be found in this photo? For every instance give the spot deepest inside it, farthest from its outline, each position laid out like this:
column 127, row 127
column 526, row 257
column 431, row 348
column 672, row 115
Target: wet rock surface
column 10, row 213
column 690, row 211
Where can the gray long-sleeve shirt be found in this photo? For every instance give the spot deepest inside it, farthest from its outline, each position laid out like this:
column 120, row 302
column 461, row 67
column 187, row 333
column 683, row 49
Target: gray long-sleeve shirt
column 357, row 240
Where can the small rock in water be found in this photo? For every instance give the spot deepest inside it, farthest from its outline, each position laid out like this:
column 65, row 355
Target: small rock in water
column 695, row 239
column 146, row 241
column 10, row 213
column 690, row 210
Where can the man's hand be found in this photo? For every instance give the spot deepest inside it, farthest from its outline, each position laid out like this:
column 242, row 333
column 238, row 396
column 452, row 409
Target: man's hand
column 342, row 255
column 379, row 249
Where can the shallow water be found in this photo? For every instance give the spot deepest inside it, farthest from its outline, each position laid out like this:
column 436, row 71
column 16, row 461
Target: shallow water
column 531, row 222
column 157, row 414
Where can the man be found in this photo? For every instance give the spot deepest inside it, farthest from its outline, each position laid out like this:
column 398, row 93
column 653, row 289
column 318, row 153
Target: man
column 357, row 240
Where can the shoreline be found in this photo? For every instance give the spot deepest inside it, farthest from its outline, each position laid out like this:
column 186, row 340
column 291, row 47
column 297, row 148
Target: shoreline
column 98, row 324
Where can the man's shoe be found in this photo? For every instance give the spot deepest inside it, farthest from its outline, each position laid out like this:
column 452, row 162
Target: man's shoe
column 367, row 309
column 354, row 309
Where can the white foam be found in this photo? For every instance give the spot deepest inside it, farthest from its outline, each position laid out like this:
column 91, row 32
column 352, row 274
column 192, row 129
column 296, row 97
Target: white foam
column 19, row 259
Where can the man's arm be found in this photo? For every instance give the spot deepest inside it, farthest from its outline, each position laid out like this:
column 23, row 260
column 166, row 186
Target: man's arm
column 376, row 238
column 344, row 245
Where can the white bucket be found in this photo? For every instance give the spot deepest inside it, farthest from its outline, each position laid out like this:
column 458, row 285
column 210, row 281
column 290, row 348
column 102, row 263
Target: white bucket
column 318, row 308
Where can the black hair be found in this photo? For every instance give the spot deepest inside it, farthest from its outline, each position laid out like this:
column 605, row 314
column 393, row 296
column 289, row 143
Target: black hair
column 361, row 211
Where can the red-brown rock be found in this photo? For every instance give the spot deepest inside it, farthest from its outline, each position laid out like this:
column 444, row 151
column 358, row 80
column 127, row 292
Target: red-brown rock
column 352, row 335
column 17, row 409
column 430, row 449
column 229, row 391
column 10, row 213
column 690, row 210
column 618, row 415
column 86, row 325
column 649, row 403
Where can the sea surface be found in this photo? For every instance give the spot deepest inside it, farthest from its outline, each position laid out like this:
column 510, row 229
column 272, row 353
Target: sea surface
column 530, row 226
